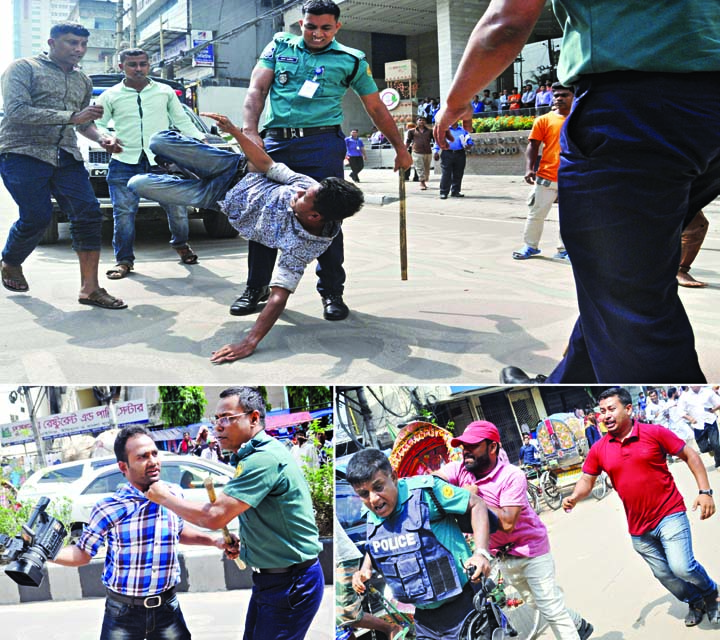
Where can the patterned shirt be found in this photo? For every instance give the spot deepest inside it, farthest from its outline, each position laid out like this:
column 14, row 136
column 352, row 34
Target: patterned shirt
column 259, row 208
column 40, row 99
column 142, row 539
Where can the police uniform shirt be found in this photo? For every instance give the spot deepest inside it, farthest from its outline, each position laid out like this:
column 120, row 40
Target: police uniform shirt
column 279, row 528
column 335, row 69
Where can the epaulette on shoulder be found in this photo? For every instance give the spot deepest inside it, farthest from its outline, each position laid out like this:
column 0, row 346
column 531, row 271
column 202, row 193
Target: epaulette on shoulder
column 355, row 53
column 420, row 482
column 284, row 36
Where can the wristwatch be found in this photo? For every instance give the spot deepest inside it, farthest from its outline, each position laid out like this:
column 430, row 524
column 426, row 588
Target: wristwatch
column 485, row 554
column 706, row 492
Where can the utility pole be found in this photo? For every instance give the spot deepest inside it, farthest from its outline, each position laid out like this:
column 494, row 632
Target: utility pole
column 133, row 23
column 39, row 444
column 367, row 418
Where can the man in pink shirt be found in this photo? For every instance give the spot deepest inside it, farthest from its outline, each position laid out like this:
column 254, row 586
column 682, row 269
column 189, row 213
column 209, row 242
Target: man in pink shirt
column 634, row 456
column 529, row 566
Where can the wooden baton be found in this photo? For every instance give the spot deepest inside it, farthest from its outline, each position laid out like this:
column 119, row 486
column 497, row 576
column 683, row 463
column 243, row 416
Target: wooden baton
column 403, row 227
column 210, row 488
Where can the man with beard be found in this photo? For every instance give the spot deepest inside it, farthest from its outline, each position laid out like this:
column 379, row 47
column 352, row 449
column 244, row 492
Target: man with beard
column 271, row 499
column 410, row 523
column 529, row 566
column 141, row 565
column 633, row 455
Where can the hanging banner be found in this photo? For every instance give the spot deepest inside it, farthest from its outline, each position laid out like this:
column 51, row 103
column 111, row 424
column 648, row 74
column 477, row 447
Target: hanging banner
column 67, row 424
column 205, row 57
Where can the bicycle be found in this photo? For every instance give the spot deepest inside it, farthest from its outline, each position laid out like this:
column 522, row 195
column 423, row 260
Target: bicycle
column 551, row 492
column 499, row 612
column 534, row 490
column 602, row 486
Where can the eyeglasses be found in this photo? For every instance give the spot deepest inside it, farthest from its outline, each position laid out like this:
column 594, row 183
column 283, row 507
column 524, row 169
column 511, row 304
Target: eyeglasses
column 224, row 421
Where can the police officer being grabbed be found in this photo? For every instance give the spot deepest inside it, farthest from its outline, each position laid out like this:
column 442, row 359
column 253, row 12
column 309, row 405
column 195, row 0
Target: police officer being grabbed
column 413, row 538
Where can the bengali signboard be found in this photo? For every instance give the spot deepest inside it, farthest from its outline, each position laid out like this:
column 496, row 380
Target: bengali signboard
column 67, row 424
column 401, row 79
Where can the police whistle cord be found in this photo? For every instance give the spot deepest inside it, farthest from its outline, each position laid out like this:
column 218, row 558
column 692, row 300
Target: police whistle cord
column 403, row 226
column 226, row 533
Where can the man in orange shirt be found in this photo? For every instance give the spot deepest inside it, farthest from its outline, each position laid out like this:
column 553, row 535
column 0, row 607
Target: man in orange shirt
column 546, row 131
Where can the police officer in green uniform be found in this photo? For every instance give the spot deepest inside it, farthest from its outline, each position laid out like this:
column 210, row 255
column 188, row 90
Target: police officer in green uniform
column 411, row 525
column 278, row 534
column 306, row 78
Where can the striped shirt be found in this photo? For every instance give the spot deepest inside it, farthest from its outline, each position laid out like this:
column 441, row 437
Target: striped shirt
column 259, row 208
column 141, row 538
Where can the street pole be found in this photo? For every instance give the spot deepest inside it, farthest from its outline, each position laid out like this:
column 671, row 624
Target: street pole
column 39, row 445
column 367, row 418
column 133, row 23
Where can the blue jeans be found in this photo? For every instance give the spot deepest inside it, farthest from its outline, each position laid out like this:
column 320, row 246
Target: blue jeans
column 123, row 622
column 319, row 157
column 668, row 550
column 633, row 173
column 215, row 169
column 283, row 605
column 125, row 207
column 32, row 183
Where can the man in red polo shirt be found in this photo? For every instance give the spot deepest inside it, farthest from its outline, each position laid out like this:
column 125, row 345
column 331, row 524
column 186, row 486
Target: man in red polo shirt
column 634, row 456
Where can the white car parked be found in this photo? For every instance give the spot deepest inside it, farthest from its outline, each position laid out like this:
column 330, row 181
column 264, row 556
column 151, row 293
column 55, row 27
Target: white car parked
column 97, row 478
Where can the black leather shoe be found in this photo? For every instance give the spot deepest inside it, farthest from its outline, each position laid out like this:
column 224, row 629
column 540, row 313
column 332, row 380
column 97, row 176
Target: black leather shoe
column 334, row 308
column 443, row 196
column 457, row 195
column 249, row 300
column 515, row 375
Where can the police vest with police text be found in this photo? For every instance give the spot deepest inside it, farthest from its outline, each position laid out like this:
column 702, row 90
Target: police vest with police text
column 416, row 567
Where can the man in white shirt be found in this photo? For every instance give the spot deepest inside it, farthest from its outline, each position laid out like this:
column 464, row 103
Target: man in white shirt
column 699, row 405
column 138, row 108
column 656, row 410
column 676, row 420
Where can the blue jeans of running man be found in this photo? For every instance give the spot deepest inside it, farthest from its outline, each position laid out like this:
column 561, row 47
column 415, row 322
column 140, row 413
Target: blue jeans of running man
column 319, row 157
column 283, row 605
column 125, row 206
column 125, row 622
column 668, row 550
column 32, row 183
column 633, row 173
column 215, row 169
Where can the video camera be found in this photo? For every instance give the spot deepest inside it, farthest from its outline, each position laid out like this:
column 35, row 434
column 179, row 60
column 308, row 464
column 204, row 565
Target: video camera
column 27, row 553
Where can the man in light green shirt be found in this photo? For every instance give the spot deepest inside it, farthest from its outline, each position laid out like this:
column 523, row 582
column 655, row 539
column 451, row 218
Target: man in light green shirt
column 138, row 108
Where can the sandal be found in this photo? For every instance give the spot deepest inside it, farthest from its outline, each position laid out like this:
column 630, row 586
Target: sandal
column 187, row 255
column 101, row 298
column 13, row 278
column 119, row 271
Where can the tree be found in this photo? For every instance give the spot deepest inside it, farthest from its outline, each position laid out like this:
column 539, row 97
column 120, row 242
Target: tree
column 309, row 397
column 182, row 405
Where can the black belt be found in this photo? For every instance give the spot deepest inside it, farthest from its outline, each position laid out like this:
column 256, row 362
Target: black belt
column 299, row 132
column 455, row 150
column 149, row 602
column 292, row 567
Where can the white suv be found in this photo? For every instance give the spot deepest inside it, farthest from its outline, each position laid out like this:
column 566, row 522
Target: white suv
column 97, row 160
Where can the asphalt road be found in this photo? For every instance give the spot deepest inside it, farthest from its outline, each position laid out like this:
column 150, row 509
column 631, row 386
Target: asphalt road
column 466, row 310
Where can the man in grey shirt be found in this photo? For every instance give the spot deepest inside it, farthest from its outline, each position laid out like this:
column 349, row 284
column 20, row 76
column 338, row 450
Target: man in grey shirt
column 45, row 96
column 272, row 205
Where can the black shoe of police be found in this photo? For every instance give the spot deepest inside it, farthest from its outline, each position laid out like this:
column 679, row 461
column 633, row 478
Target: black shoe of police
column 515, row 375
column 695, row 613
column 334, row 308
column 249, row 300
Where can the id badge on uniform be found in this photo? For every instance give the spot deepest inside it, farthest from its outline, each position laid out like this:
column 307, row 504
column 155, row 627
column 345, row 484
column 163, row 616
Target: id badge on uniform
column 308, row 89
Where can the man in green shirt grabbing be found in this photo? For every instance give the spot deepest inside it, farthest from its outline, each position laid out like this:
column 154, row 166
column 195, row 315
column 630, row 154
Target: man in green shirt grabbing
column 138, row 107
column 278, row 535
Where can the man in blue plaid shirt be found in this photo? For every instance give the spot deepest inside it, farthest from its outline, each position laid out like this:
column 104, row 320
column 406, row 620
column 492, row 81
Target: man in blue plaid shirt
column 141, row 565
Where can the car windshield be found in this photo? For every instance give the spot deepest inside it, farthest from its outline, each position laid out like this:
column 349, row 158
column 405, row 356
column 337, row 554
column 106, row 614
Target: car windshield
column 66, row 474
